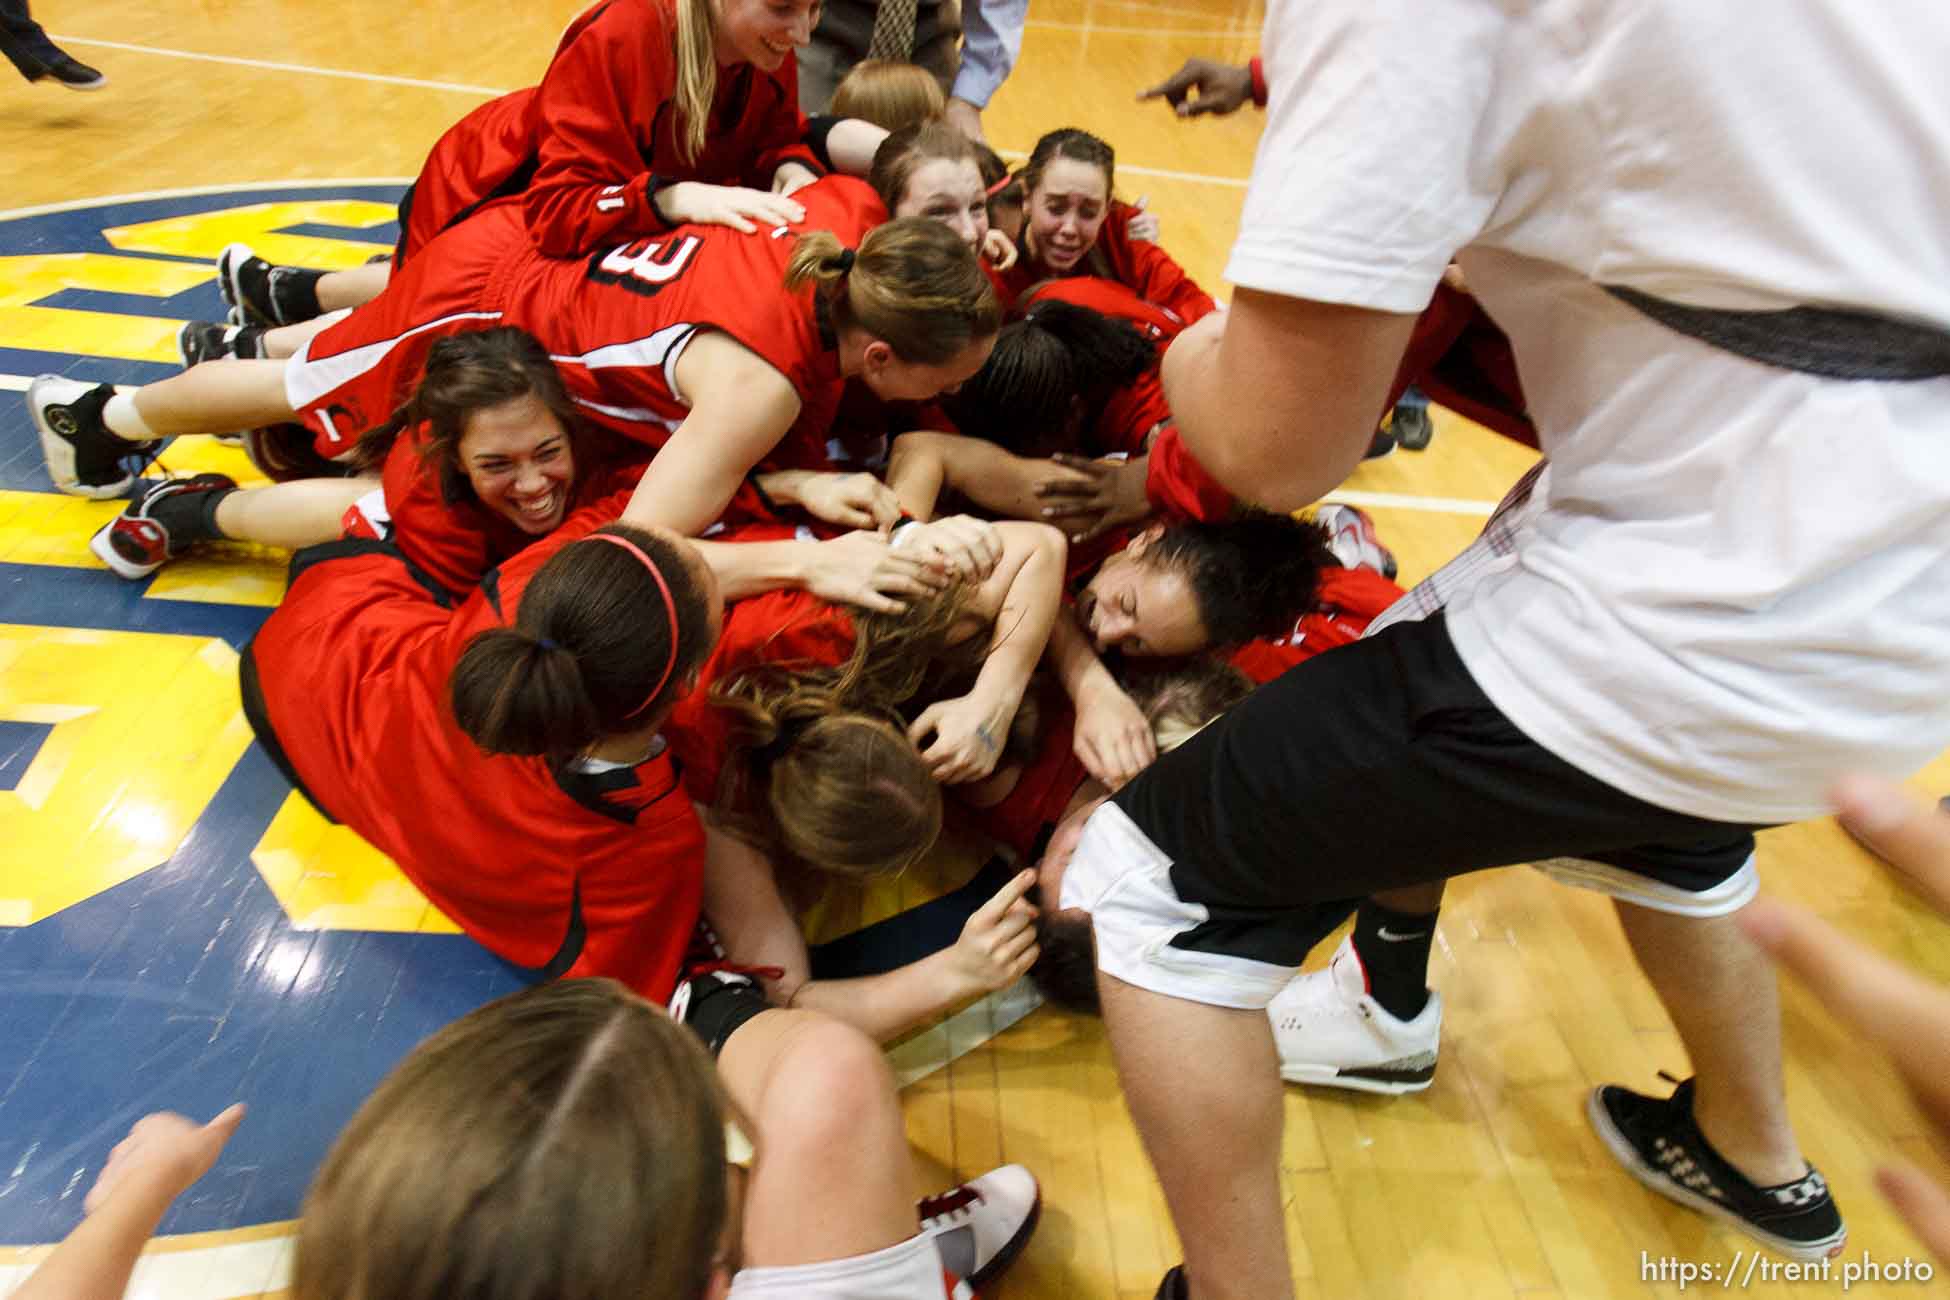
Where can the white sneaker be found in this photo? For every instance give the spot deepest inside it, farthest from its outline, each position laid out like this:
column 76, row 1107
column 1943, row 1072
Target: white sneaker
column 83, row 458
column 981, row 1226
column 1351, row 536
column 1330, row 1032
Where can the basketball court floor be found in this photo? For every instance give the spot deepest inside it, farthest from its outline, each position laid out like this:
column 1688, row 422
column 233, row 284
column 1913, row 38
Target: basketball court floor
column 178, row 931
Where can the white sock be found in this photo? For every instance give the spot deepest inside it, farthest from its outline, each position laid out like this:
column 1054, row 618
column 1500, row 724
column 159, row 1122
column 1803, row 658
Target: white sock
column 124, row 421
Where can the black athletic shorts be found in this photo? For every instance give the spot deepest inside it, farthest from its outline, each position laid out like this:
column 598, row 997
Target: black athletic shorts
column 1375, row 765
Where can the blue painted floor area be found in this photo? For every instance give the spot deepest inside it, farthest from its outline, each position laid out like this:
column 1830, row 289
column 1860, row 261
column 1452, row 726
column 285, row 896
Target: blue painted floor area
column 185, row 987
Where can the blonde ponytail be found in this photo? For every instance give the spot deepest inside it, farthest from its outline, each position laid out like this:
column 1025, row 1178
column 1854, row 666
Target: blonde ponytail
column 815, row 260
column 697, row 75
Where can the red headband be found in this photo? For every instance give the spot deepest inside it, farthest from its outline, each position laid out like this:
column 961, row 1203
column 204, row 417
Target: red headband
column 1008, row 179
column 670, row 608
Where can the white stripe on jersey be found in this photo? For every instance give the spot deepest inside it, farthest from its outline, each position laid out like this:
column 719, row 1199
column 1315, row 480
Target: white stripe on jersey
column 306, row 380
column 658, row 351
column 634, row 414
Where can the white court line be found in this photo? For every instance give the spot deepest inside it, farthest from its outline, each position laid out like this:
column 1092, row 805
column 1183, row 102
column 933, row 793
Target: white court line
column 485, row 92
column 18, row 383
column 488, row 92
column 1397, row 501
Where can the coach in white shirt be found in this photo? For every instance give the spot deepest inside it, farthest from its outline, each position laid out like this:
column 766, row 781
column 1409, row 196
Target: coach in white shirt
column 1719, row 248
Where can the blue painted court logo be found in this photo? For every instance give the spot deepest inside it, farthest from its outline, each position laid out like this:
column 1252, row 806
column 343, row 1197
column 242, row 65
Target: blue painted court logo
column 176, row 930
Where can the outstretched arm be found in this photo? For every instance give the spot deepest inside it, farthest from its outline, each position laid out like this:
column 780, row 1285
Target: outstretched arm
column 997, row 945
column 157, row 1162
column 921, row 464
column 1113, row 741
column 740, row 407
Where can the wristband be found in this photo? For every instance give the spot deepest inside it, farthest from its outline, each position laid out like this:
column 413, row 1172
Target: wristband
column 1258, row 71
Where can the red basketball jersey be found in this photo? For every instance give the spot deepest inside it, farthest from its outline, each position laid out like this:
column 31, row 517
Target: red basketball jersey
column 587, row 869
column 792, row 629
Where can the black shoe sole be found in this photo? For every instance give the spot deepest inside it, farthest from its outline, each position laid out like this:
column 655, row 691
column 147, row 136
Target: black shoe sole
column 1656, row 1180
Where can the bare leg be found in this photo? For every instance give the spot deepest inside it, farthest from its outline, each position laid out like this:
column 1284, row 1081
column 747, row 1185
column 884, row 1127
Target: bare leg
column 1212, row 1132
column 1720, row 991
column 338, row 290
column 293, row 515
column 285, row 340
column 834, row 1177
column 235, row 395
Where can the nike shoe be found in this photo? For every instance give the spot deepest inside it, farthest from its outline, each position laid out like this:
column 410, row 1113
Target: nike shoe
column 165, row 519
column 83, row 458
column 1330, row 1032
column 981, row 1226
column 249, row 285
column 201, row 340
column 1352, row 538
column 1657, row 1141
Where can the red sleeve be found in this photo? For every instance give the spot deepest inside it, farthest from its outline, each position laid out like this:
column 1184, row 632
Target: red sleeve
column 1044, row 789
column 779, row 627
column 1348, row 600
column 1150, row 270
column 1177, row 485
column 613, row 73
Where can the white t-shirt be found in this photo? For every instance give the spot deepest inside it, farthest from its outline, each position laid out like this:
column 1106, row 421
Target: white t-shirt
column 1737, row 587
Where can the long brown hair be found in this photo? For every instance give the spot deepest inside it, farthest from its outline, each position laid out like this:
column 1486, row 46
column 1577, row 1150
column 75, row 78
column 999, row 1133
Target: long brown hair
column 563, row 1143
column 592, row 652
column 912, row 284
column 820, row 770
column 465, row 373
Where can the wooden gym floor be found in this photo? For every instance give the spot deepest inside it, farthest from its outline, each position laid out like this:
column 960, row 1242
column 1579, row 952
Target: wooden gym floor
column 174, row 932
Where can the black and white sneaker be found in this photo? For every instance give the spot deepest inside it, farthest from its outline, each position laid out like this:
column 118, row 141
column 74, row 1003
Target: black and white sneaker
column 201, row 340
column 244, row 279
column 83, row 458
column 1659, row 1144
column 981, row 1226
column 165, row 519
column 73, row 73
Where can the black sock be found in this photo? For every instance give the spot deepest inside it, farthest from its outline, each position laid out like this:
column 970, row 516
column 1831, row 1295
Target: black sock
column 294, row 292
column 1394, row 949
column 190, row 517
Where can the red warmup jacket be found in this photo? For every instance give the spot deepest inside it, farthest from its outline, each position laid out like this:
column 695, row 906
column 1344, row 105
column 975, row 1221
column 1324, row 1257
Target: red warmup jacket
column 575, row 870
column 589, row 147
